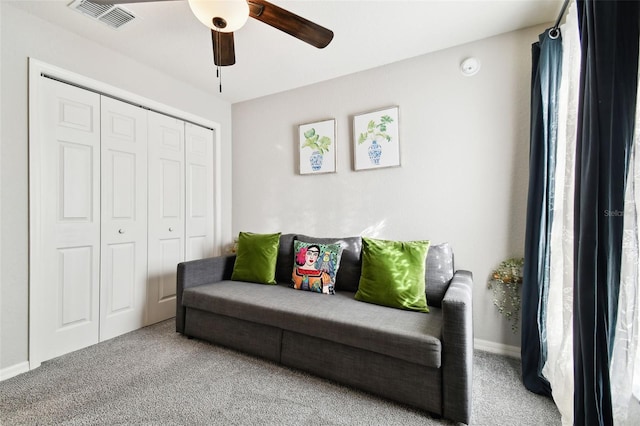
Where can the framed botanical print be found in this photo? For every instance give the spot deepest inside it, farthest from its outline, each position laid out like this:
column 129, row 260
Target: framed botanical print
column 376, row 140
column 317, row 147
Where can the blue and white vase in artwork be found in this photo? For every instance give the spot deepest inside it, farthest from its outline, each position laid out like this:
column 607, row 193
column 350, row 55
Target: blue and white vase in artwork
column 316, row 161
column 375, row 152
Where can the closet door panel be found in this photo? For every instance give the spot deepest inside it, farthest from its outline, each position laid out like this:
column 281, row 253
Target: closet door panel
column 200, row 192
column 74, row 296
column 67, row 298
column 166, row 214
column 119, row 264
column 124, row 218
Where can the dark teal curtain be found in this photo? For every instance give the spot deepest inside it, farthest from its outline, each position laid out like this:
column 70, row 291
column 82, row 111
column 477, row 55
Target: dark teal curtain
column 606, row 114
column 546, row 73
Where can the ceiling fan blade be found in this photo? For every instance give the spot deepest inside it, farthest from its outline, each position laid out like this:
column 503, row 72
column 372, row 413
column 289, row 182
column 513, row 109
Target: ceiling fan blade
column 290, row 23
column 223, row 48
column 124, row 1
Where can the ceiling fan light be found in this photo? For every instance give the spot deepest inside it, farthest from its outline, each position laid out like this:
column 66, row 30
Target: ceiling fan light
column 221, row 15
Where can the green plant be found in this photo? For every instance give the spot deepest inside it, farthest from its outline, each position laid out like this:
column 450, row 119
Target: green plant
column 374, row 130
column 505, row 282
column 315, row 142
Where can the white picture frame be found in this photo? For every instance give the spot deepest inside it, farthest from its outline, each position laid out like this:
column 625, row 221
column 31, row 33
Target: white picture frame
column 317, row 147
column 376, row 140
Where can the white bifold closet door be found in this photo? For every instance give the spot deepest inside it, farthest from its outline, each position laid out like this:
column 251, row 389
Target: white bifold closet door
column 123, row 267
column 199, row 160
column 181, row 206
column 94, row 218
column 166, row 214
column 121, row 195
column 68, row 317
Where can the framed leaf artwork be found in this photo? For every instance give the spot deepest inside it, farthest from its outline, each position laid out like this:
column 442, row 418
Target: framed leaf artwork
column 376, row 142
column 317, row 147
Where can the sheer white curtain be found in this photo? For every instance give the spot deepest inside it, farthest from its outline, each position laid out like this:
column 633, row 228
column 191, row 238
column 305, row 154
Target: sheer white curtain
column 625, row 362
column 558, row 368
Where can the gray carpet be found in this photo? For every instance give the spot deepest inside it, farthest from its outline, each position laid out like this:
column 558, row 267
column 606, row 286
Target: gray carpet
column 155, row 376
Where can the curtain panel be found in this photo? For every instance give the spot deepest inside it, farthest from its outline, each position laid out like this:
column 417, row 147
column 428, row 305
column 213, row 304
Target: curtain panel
column 606, row 117
column 546, row 73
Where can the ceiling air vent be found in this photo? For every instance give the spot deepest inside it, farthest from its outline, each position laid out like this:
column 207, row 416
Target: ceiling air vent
column 113, row 16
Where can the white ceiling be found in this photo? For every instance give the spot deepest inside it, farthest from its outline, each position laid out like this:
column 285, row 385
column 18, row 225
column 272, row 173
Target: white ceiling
column 167, row 37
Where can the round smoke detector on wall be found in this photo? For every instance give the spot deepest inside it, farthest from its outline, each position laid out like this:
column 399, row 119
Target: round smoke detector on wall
column 469, row 67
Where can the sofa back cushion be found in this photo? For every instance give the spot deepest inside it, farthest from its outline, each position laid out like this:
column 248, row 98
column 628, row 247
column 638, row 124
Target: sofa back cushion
column 284, row 264
column 439, row 272
column 350, row 263
column 438, row 275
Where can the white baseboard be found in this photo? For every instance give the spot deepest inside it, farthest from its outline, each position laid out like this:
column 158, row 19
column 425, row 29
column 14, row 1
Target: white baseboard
column 496, row 348
column 14, row 370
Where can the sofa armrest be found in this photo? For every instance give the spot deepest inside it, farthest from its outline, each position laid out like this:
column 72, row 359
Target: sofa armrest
column 457, row 347
column 198, row 272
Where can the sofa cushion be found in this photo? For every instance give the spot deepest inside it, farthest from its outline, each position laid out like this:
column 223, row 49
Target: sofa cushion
column 393, row 274
column 407, row 335
column 256, row 258
column 439, row 272
column 350, row 265
column 315, row 266
column 284, row 264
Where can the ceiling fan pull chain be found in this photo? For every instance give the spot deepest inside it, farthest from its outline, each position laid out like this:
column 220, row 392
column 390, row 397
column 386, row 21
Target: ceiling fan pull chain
column 219, row 75
column 219, row 55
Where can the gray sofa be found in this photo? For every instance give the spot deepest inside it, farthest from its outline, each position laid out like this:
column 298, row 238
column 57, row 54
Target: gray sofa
column 420, row 359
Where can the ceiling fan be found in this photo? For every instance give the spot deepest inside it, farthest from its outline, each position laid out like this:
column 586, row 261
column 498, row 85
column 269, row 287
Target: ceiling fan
column 226, row 16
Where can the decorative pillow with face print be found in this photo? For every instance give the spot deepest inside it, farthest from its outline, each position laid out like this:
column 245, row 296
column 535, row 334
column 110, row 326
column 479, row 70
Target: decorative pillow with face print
column 315, row 266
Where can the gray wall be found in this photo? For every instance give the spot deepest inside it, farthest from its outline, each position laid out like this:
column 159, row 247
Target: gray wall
column 23, row 36
column 464, row 153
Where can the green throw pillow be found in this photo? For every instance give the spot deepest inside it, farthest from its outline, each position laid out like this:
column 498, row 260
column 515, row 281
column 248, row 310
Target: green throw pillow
column 256, row 258
column 393, row 274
